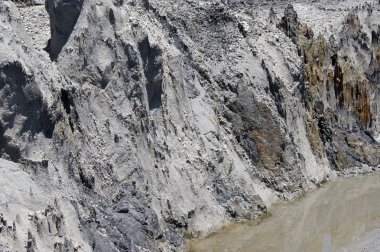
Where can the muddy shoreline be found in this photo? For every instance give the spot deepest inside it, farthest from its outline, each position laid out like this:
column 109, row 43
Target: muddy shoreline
column 341, row 215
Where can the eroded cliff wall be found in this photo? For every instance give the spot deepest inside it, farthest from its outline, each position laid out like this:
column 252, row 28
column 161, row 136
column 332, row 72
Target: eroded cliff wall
column 147, row 122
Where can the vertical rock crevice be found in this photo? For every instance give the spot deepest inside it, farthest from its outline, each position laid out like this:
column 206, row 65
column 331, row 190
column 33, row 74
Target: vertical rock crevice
column 153, row 71
column 63, row 17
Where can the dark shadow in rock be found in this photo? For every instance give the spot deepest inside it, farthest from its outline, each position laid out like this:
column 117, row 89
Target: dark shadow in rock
column 63, row 17
column 151, row 56
column 23, row 103
column 111, row 17
column 67, row 99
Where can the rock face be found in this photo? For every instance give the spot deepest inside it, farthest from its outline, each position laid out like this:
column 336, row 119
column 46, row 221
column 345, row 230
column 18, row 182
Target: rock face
column 149, row 122
column 63, row 17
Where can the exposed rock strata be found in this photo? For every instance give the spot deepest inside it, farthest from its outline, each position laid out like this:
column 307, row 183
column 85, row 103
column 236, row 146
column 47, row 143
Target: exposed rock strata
column 158, row 121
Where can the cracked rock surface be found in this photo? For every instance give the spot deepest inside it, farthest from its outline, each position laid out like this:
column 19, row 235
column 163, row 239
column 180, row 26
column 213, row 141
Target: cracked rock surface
column 133, row 125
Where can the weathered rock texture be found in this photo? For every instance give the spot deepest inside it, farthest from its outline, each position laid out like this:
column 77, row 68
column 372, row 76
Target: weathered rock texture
column 156, row 121
column 63, row 17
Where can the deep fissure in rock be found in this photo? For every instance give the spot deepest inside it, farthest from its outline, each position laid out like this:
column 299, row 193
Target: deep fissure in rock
column 151, row 56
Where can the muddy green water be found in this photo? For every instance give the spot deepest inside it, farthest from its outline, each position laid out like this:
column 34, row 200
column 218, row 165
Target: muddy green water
column 327, row 219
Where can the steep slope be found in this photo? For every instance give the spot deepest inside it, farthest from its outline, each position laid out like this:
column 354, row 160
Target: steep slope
column 156, row 121
column 36, row 213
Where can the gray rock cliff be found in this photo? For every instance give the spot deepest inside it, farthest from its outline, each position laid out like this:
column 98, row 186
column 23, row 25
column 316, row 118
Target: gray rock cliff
column 142, row 123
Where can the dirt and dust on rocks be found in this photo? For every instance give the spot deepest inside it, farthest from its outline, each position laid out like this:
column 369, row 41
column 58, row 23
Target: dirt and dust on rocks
column 137, row 124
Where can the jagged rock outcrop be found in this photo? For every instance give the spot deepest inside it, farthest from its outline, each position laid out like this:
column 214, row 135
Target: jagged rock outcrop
column 156, row 121
column 337, row 91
